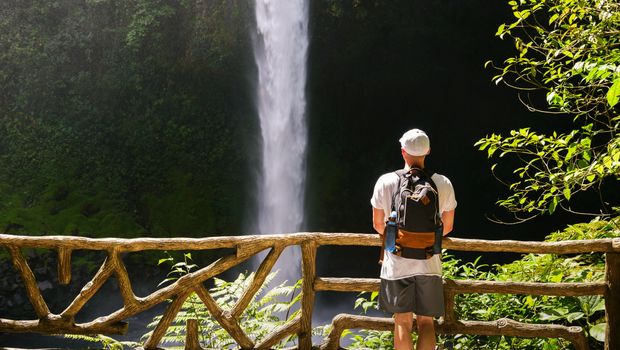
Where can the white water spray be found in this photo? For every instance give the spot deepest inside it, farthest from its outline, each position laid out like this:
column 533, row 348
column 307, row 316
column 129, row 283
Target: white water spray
column 281, row 52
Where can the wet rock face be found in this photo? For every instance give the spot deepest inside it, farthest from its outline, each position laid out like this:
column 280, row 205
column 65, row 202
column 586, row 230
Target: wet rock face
column 13, row 300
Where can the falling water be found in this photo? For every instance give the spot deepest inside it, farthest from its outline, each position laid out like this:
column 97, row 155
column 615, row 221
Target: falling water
column 280, row 52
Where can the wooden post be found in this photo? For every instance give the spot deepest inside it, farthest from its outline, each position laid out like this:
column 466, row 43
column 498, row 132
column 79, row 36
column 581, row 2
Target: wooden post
column 191, row 335
column 30, row 282
column 165, row 321
column 612, row 301
column 124, row 283
column 64, row 265
column 449, row 302
column 308, row 254
column 229, row 323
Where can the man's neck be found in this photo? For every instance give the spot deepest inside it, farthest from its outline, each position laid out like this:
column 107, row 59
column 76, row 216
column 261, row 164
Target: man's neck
column 419, row 165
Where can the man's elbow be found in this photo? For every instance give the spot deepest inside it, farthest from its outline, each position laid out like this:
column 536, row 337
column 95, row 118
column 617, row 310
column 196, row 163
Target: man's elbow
column 377, row 228
column 448, row 221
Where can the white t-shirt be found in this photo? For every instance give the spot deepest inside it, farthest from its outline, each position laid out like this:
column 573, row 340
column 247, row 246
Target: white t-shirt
column 394, row 267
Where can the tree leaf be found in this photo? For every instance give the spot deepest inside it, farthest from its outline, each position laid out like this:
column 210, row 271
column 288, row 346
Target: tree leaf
column 553, row 204
column 544, row 316
column 613, row 95
column 598, row 332
column 500, row 30
column 163, row 260
column 574, row 316
column 553, row 18
column 567, row 193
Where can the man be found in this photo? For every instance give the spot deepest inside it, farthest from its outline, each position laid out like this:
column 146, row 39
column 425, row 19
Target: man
column 412, row 286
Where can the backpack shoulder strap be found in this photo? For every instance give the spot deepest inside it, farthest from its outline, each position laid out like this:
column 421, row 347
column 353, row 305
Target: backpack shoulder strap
column 430, row 180
column 401, row 172
column 429, row 175
column 401, row 175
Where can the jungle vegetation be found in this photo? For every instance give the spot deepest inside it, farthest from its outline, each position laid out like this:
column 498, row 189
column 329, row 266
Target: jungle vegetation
column 116, row 116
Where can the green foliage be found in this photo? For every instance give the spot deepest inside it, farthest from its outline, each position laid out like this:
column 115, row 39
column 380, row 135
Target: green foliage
column 365, row 338
column 587, row 312
column 580, row 311
column 106, row 343
column 595, row 229
column 114, row 99
column 371, row 339
column 74, row 212
column 258, row 320
column 145, row 22
column 569, row 50
column 268, row 310
column 177, row 269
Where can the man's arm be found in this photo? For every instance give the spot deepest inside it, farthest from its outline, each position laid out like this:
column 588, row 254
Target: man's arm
column 378, row 220
column 447, row 217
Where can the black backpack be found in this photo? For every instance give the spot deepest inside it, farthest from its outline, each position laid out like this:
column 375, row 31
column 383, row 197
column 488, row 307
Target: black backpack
column 416, row 202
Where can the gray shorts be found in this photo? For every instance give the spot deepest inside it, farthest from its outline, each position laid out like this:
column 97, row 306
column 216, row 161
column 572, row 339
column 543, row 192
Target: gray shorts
column 422, row 295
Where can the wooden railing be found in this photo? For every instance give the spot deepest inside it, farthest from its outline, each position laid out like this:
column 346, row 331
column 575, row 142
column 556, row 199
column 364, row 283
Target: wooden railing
column 248, row 246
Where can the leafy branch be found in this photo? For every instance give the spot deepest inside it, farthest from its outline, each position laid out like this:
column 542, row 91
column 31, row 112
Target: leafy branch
column 570, row 50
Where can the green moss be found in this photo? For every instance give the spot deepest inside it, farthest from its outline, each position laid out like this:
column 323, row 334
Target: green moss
column 186, row 209
column 183, row 208
column 76, row 214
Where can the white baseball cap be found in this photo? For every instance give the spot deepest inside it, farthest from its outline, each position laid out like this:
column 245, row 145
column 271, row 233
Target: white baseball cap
column 415, row 142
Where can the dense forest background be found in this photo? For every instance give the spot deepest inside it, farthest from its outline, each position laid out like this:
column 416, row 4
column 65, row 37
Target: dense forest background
column 137, row 118
column 125, row 118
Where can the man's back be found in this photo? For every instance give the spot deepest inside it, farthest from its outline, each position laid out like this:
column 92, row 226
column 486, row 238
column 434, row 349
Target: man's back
column 412, row 285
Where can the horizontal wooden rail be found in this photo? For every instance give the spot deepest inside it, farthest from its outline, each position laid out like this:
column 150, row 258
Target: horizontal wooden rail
column 352, row 239
column 471, row 287
column 42, row 326
column 531, row 288
column 142, row 244
column 608, row 245
column 345, row 284
column 502, row 326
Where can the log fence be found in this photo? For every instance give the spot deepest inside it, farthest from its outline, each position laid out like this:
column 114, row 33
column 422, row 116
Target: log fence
column 248, row 246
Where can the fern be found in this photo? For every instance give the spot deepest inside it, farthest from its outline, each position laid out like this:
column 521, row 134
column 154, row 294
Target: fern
column 107, row 343
column 268, row 310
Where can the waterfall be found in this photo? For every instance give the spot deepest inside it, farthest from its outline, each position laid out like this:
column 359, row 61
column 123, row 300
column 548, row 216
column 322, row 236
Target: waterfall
column 280, row 52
